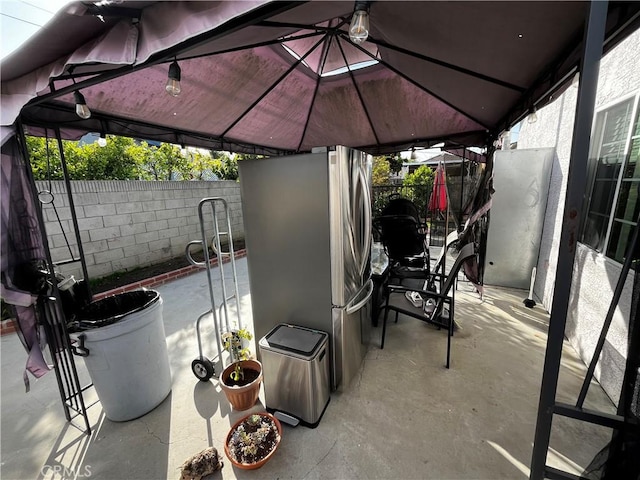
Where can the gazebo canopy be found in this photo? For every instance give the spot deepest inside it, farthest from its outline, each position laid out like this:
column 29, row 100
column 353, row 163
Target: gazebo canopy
column 272, row 77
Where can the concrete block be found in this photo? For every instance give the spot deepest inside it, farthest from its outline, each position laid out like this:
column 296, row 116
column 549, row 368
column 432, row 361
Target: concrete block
column 143, row 217
column 146, row 237
column 135, row 250
column 165, row 214
column 113, row 197
column 85, row 198
column 153, row 205
column 50, row 213
column 180, row 241
column 99, row 210
column 117, row 220
column 100, row 270
column 168, row 233
column 88, row 224
column 93, row 247
column 60, row 253
column 134, row 229
column 156, row 225
column 174, row 203
column 176, row 222
column 128, row 208
column 140, row 195
column 151, row 257
column 104, row 233
column 108, row 256
column 190, row 230
column 163, row 244
column 55, row 227
column 187, row 212
column 126, row 263
column 59, row 240
column 120, row 242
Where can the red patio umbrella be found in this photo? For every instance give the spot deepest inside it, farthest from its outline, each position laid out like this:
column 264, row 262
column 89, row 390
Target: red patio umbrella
column 438, row 199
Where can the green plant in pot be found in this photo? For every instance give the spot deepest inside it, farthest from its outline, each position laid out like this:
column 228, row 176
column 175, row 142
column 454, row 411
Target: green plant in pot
column 241, row 379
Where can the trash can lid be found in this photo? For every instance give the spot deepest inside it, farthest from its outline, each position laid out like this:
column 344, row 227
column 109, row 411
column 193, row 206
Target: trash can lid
column 295, row 339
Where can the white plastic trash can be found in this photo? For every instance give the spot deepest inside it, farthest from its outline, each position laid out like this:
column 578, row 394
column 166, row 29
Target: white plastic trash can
column 124, row 347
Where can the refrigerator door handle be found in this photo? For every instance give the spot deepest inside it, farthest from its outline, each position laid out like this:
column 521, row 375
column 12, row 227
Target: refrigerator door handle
column 366, row 197
column 354, row 307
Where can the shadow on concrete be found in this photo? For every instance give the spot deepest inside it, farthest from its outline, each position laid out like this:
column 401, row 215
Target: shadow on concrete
column 76, row 455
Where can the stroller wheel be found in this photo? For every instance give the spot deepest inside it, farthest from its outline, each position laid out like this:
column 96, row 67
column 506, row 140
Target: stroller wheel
column 202, row 368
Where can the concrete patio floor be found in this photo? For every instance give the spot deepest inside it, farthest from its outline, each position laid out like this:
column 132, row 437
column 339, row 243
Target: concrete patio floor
column 404, row 416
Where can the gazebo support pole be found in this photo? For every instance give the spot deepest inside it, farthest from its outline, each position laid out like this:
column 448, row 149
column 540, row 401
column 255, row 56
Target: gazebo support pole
column 56, row 329
column 72, row 207
column 576, row 184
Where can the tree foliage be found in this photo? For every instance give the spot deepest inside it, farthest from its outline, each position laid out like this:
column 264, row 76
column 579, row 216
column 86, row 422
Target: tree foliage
column 395, row 163
column 123, row 158
column 418, row 185
column 380, row 171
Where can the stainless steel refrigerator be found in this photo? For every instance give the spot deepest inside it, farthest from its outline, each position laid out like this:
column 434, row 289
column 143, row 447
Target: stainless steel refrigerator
column 307, row 225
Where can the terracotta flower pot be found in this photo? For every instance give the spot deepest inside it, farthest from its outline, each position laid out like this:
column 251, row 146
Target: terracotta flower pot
column 242, row 397
column 261, row 462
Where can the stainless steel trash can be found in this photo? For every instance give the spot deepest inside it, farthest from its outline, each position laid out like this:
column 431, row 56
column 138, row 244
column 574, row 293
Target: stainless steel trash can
column 295, row 367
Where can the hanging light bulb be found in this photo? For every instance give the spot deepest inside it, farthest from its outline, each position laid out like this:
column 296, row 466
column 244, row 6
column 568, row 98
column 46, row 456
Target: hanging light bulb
column 102, row 141
column 173, row 82
column 533, row 116
column 81, row 106
column 413, row 154
column 359, row 28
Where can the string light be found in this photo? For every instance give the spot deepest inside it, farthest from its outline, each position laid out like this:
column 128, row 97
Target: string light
column 173, row 82
column 533, row 116
column 359, row 28
column 81, row 106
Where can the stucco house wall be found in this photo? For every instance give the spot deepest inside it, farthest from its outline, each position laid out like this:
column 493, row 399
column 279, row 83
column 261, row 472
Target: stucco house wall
column 594, row 275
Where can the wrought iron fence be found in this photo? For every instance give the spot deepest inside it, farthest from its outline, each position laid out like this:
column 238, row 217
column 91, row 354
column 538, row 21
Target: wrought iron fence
column 419, row 195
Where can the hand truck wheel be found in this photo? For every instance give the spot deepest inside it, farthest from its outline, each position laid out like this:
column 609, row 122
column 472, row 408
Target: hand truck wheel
column 203, row 369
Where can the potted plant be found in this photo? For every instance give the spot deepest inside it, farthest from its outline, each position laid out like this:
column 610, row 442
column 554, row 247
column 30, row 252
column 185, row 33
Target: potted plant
column 253, row 440
column 241, row 380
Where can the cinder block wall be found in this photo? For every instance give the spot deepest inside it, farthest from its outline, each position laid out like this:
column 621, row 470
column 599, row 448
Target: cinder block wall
column 129, row 224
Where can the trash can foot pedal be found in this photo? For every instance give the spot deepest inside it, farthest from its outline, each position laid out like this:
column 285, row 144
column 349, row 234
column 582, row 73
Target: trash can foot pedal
column 288, row 419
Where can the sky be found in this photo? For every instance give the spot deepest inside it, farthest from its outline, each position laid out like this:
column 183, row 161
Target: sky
column 19, row 19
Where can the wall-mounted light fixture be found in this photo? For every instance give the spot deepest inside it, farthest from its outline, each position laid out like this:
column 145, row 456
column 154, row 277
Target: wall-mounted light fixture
column 81, row 106
column 533, row 115
column 173, row 82
column 359, row 28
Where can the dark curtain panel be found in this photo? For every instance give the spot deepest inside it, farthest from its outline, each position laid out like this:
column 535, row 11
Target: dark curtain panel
column 23, row 261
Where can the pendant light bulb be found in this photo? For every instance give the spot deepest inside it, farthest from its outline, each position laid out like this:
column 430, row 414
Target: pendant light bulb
column 173, row 82
column 533, row 116
column 102, row 141
column 359, row 28
column 413, row 154
column 81, row 106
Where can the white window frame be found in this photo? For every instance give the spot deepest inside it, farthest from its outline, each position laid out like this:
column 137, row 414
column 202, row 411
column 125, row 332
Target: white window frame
column 634, row 111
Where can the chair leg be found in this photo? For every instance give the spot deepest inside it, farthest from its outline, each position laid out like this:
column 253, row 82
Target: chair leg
column 450, row 334
column 384, row 323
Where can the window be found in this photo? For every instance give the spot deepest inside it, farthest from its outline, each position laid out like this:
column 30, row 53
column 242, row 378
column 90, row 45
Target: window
column 612, row 208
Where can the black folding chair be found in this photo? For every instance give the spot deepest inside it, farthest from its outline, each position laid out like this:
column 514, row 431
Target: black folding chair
column 436, row 307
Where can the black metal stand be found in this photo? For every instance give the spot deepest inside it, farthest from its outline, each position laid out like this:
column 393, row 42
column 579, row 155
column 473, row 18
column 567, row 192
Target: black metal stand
column 50, row 312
